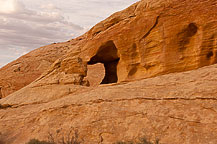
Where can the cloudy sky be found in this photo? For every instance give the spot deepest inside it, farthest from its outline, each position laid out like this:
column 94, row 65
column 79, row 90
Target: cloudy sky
column 29, row 24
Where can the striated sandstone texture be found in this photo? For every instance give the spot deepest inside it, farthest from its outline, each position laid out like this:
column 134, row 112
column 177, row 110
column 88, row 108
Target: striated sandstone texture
column 29, row 67
column 148, row 39
column 178, row 108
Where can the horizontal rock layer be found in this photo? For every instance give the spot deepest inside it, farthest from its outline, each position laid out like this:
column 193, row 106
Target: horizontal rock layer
column 175, row 108
column 147, row 39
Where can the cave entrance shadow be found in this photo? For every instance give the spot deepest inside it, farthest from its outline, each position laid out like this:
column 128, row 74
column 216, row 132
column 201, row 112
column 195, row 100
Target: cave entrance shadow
column 107, row 55
column 1, row 95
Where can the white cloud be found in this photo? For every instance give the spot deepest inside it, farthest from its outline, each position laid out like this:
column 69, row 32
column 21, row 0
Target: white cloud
column 29, row 24
column 49, row 6
column 7, row 6
column 10, row 6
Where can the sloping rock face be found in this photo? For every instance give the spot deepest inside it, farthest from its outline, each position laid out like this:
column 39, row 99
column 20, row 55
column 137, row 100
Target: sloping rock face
column 29, row 67
column 174, row 108
column 149, row 38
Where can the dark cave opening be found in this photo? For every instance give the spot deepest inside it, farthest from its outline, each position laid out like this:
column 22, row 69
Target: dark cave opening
column 108, row 56
column 1, row 95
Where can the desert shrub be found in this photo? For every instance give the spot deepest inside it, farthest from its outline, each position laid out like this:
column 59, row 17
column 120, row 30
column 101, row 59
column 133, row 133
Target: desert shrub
column 35, row 141
column 72, row 137
column 142, row 140
column 124, row 143
column 145, row 141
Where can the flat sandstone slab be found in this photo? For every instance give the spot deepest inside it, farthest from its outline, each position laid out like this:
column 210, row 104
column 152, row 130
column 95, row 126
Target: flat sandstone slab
column 174, row 108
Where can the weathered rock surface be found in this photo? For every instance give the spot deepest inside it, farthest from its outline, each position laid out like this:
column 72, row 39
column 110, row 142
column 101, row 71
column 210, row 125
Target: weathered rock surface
column 29, row 67
column 148, row 39
column 175, row 108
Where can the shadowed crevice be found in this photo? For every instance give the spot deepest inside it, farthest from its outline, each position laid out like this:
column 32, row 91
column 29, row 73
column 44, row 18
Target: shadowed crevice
column 186, row 35
column 107, row 55
column 1, row 95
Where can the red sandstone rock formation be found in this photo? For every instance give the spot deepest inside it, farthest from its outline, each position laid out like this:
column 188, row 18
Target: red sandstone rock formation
column 148, row 39
column 152, row 38
column 175, row 108
column 29, row 67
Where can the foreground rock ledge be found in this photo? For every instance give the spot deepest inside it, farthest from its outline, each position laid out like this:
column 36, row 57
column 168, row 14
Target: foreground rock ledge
column 175, row 108
column 150, row 38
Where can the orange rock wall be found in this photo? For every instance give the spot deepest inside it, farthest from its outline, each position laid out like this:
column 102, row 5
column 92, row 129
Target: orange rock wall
column 147, row 39
column 159, row 37
column 29, row 67
column 150, row 38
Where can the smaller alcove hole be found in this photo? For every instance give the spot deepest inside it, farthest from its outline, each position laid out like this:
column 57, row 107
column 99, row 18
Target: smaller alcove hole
column 107, row 55
column 209, row 55
column 192, row 29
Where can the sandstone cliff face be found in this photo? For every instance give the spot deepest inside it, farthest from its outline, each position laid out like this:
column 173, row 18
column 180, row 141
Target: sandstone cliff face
column 148, row 39
column 175, row 108
column 29, row 67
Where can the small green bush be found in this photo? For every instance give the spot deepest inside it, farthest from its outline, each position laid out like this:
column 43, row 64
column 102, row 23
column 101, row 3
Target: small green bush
column 35, row 141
